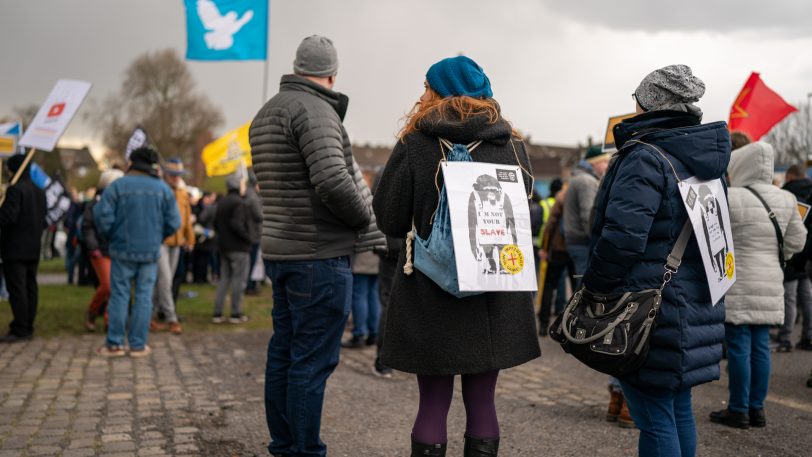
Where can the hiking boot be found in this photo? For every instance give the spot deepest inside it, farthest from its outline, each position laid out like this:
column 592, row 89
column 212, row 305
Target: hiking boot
column 111, row 351
column 356, row 342
column 615, row 404
column 757, row 418
column 784, row 346
column 371, row 340
column 155, row 326
column 730, row 418
column 624, row 419
column 804, row 345
column 175, row 328
column 475, row 447
column 427, row 450
column 143, row 352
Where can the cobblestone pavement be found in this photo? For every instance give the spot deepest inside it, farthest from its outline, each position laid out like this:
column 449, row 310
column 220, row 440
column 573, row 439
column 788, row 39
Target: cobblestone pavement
column 201, row 394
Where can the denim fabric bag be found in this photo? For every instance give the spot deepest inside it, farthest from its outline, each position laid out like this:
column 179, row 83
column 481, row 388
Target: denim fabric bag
column 434, row 257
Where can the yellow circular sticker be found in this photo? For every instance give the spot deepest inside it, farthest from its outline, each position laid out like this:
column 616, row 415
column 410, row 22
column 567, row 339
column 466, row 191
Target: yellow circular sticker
column 730, row 265
column 512, row 259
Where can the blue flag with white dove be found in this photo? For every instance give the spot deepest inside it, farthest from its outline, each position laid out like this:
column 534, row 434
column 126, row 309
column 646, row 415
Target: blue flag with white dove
column 227, row 29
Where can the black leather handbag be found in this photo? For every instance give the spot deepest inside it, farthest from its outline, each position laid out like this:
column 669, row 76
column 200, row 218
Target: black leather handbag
column 611, row 334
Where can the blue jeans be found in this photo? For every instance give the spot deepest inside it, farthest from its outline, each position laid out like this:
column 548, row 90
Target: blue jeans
column 665, row 420
column 748, row 365
column 579, row 253
column 311, row 304
column 123, row 274
column 366, row 305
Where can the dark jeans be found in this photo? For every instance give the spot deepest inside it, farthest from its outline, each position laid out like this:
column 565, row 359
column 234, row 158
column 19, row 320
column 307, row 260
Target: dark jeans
column 21, row 282
column 311, row 305
column 748, row 366
column 665, row 420
column 558, row 263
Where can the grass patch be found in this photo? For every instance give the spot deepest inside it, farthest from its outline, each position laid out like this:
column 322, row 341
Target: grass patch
column 62, row 310
column 55, row 265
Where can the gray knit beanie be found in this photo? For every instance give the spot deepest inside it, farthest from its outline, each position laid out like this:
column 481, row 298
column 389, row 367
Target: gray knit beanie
column 670, row 88
column 316, row 56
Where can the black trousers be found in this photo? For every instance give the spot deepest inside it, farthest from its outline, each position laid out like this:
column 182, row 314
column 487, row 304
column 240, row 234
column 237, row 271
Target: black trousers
column 386, row 274
column 559, row 261
column 21, row 282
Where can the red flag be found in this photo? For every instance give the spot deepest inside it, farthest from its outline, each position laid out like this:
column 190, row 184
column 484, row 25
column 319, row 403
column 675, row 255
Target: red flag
column 757, row 109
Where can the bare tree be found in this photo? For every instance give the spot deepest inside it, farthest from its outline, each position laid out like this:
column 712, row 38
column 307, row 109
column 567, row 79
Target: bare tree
column 792, row 137
column 160, row 95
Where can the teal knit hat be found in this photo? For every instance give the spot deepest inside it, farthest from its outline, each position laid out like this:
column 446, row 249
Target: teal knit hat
column 457, row 76
column 595, row 153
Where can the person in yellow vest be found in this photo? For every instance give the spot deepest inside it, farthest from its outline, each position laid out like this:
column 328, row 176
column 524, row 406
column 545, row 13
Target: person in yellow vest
column 171, row 248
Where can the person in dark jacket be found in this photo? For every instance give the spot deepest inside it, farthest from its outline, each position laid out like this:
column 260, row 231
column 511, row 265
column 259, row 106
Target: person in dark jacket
column 231, row 223
column 255, row 229
column 429, row 332
column 205, row 244
column 97, row 248
column 316, row 213
column 22, row 220
column 639, row 215
column 797, row 284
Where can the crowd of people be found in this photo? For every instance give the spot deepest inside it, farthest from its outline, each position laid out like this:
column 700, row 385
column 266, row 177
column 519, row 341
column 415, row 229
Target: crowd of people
column 336, row 241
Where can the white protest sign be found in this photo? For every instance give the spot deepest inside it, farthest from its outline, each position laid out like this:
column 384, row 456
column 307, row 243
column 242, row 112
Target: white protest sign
column 490, row 224
column 706, row 203
column 137, row 140
column 55, row 114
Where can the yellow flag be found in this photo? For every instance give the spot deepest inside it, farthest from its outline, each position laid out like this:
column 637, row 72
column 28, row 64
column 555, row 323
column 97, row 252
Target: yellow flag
column 224, row 155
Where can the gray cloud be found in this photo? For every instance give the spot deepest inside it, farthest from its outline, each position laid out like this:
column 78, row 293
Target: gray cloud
column 782, row 17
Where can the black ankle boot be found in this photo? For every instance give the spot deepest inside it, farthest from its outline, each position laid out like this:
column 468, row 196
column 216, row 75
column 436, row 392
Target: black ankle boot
column 428, row 450
column 481, row 448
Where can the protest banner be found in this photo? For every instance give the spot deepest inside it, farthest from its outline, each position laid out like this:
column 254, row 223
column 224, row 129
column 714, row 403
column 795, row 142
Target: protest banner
column 706, row 204
column 224, row 155
column 609, row 138
column 9, row 133
column 138, row 139
column 55, row 114
column 490, row 224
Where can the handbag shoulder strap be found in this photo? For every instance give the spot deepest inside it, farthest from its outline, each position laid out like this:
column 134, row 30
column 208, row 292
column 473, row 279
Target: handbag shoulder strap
column 774, row 220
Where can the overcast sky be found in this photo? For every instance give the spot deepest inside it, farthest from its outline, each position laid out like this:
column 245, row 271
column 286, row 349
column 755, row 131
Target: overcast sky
column 559, row 68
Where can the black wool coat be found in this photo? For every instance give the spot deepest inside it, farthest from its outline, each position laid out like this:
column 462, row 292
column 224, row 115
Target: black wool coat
column 429, row 331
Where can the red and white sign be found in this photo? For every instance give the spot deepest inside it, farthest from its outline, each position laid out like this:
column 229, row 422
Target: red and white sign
column 55, row 114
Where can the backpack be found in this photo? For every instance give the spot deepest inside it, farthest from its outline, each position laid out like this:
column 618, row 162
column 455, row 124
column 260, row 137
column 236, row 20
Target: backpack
column 434, row 256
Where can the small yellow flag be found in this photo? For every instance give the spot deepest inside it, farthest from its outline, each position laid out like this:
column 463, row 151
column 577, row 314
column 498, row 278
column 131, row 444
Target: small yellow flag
column 224, row 155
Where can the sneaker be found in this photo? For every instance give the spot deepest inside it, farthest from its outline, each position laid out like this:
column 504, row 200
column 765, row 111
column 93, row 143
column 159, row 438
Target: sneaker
column 804, row 345
column 175, row 328
column 784, row 347
column 757, row 418
column 371, row 340
column 381, row 371
column 155, row 326
column 238, row 318
column 730, row 418
column 356, row 342
column 137, row 353
column 217, row 319
column 111, row 351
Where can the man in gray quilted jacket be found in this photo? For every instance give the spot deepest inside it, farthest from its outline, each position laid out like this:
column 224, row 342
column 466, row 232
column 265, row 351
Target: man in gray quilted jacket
column 316, row 213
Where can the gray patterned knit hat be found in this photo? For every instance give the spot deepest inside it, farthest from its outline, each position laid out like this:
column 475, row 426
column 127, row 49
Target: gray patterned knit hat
column 670, row 88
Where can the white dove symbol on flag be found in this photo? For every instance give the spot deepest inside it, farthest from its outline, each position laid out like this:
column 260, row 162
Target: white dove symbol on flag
column 221, row 28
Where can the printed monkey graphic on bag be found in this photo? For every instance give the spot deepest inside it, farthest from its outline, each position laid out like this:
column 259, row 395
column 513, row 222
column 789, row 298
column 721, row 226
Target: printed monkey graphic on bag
column 490, row 224
column 706, row 203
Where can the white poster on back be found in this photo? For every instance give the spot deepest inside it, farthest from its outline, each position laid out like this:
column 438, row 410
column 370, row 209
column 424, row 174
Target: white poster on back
column 706, row 203
column 55, row 114
column 490, row 221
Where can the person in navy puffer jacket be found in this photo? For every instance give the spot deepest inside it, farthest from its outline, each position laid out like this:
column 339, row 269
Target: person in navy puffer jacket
column 639, row 214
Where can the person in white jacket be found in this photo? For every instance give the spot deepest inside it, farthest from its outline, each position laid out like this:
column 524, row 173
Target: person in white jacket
column 756, row 300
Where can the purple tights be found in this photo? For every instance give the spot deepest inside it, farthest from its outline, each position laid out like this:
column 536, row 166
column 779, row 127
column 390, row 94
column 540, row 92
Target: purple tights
column 435, row 400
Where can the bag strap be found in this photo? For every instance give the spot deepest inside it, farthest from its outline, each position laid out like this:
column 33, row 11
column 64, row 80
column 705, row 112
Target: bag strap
column 774, row 220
